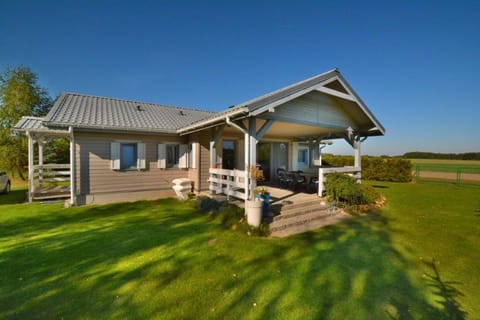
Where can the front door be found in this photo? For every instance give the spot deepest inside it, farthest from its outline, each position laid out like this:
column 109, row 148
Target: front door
column 272, row 156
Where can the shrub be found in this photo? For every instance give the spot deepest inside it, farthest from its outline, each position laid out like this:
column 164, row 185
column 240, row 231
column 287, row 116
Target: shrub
column 376, row 168
column 345, row 189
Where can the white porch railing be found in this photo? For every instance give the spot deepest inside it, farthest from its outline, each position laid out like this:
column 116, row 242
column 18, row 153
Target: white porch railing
column 356, row 171
column 51, row 172
column 50, row 181
column 228, row 182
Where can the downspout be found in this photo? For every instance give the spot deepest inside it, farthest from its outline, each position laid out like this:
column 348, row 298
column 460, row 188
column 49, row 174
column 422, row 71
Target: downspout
column 73, row 187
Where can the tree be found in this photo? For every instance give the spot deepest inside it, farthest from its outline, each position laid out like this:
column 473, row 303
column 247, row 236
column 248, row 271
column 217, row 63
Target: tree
column 20, row 95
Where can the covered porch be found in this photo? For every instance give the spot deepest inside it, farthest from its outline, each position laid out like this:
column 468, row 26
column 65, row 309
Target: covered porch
column 284, row 133
column 46, row 181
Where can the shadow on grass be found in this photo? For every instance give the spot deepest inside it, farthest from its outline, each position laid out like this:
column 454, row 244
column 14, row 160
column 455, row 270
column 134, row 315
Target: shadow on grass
column 156, row 259
column 446, row 292
column 378, row 186
column 13, row 197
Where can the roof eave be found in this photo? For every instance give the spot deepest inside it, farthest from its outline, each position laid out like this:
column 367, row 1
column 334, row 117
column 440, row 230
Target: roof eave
column 220, row 118
column 95, row 128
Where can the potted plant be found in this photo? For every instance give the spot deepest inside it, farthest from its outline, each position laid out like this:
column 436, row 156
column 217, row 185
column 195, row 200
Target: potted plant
column 262, row 193
column 254, row 205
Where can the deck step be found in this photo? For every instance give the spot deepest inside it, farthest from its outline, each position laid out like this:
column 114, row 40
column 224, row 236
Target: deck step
column 305, row 216
column 292, row 212
column 296, row 205
column 308, row 226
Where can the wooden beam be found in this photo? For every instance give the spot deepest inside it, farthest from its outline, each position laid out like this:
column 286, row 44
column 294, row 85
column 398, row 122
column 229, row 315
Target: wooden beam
column 336, row 93
column 264, row 129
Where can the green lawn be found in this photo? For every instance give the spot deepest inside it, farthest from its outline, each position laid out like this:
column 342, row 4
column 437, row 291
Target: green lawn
column 466, row 166
column 419, row 258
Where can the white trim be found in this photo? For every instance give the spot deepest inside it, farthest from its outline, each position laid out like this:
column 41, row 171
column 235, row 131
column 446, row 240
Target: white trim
column 73, row 180
column 336, row 93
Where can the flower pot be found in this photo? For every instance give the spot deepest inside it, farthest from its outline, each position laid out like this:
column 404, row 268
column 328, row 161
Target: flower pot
column 254, row 212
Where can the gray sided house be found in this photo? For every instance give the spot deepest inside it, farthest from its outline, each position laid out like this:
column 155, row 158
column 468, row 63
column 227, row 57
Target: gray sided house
column 127, row 150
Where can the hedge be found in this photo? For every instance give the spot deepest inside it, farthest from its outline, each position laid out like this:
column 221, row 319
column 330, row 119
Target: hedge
column 376, row 168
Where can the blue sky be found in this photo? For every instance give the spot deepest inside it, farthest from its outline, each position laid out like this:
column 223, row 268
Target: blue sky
column 415, row 64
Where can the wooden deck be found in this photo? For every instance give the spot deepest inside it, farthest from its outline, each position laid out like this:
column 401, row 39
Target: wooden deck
column 47, row 193
column 278, row 197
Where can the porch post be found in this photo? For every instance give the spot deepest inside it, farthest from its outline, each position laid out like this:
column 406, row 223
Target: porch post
column 73, row 180
column 358, row 158
column 247, row 166
column 252, row 127
column 31, row 183
column 213, row 151
column 40, row 143
column 252, row 132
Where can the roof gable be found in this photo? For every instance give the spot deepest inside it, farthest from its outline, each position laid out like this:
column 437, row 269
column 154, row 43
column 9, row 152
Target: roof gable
column 330, row 82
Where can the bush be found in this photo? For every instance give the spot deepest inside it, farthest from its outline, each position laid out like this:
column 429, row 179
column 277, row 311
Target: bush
column 376, row 168
column 345, row 189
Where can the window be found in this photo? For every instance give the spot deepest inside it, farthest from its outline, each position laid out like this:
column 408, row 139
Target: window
column 128, row 156
column 303, row 155
column 173, row 155
column 228, row 155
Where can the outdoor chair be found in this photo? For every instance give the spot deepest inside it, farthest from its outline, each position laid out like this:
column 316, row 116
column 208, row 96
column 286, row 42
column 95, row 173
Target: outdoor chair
column 284, row 178
column 299, row 180
column 313, row 185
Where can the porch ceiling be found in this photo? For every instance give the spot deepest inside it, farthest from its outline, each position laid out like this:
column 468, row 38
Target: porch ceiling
column 293, row 131
column 281, row 130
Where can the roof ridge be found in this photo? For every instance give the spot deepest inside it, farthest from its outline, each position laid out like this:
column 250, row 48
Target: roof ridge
column 136, row 101
column 269, row 94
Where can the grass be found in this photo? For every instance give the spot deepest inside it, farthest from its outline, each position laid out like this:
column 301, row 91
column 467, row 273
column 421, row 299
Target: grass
column 416, row 259
column 466, row 166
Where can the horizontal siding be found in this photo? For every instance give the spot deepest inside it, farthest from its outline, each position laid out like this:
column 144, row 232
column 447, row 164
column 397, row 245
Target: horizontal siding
column 94, row 174
column 316, row 107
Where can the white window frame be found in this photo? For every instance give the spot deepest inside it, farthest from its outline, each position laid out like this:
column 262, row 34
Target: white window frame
column 116, row 155
column 184, row 154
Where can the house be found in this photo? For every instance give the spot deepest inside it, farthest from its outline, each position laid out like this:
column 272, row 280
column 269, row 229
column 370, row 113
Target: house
column 128, row 150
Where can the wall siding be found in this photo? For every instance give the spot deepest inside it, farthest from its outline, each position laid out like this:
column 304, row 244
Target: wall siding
column 95, row 176
column 315, row 108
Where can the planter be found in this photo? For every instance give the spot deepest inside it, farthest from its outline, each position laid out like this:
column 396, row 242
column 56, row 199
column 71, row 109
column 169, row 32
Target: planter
column 265, row 197
column 254, row 213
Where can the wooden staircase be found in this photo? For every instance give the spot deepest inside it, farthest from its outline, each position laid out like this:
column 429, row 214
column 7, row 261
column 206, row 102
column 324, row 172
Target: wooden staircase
column 304, row 216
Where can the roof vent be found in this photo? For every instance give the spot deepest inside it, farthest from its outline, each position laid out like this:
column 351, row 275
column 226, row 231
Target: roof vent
column 182, row 113
column 139, row 108
column 232, row 106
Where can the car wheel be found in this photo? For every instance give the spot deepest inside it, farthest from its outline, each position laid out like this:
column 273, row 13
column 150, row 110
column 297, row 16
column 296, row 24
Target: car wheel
column 7, row 188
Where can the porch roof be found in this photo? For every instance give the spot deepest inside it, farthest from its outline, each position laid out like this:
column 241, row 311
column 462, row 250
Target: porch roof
column 36, row 125
column 331, row 83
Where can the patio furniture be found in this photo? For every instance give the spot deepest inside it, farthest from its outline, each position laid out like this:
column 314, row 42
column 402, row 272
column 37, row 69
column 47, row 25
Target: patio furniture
column 284, row 178
column 299, row 180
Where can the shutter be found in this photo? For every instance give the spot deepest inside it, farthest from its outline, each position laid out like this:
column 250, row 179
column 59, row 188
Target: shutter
column 115, row 155
column 141, row 161
column 162, row 156
column 183, row 156
column 193, row 156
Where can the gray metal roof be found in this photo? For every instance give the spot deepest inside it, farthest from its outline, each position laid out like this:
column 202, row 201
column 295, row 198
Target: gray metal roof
column 92, row 112
column 29, row 123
